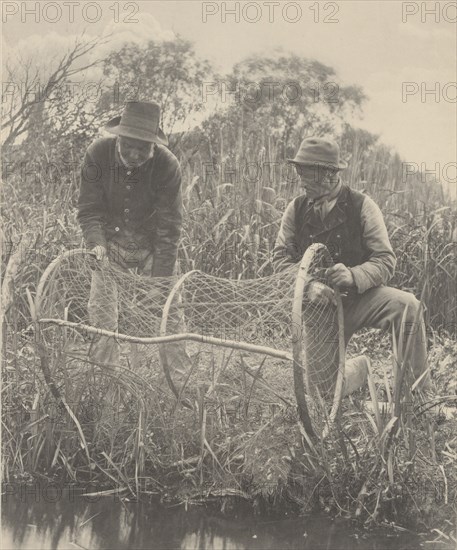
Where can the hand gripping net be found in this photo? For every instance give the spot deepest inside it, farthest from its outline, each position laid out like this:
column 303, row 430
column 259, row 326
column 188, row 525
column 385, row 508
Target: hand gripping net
column 257, row 316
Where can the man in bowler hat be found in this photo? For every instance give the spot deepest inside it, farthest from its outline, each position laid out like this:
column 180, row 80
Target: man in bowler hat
column 130, row 213
column 352, row 227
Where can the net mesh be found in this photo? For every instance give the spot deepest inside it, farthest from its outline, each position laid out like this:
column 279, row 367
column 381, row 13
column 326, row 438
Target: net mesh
column 318, row 348
column 256, row 312
column 320, row 331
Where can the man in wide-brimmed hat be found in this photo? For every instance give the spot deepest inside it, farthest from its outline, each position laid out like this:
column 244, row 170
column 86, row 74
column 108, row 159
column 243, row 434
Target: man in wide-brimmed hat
column 352, row 227
column 130, row 212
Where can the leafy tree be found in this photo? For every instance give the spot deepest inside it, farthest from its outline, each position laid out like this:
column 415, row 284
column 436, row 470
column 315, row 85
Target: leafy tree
column 287, row 95
column 168, row 72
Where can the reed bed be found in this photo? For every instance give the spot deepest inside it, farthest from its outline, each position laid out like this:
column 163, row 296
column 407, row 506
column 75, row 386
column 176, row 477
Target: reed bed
column 232, row 436
column 236, row 438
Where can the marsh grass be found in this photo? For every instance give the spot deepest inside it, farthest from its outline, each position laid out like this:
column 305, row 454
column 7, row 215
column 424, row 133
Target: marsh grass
column 122, row 429
column 233, row 436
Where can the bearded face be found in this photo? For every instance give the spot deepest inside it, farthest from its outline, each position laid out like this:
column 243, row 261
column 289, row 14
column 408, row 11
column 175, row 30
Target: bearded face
column 317, row 180
column 134, row 152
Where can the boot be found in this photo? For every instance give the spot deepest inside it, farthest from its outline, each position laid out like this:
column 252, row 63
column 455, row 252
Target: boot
column 355, row 374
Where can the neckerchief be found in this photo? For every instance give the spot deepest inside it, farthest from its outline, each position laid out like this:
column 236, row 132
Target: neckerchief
column 323, row 205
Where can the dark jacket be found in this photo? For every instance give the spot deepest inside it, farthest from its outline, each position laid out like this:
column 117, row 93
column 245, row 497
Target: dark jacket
column 140, row 208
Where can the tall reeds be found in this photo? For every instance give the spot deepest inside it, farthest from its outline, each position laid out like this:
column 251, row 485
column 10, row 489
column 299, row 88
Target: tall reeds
column 235, row 190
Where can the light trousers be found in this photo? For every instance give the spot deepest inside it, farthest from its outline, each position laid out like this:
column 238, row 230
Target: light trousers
column 383, row 308
column 103, row 310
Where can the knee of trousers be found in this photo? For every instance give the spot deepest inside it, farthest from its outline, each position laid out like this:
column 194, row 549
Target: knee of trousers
column 398, row 306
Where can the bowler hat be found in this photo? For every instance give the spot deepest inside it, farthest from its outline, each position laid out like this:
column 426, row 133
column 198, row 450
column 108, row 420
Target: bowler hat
column 318, row 151
column 139, row 120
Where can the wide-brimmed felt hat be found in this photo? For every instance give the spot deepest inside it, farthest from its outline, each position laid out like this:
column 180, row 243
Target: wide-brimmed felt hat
column 315, row 151
column 139, row 120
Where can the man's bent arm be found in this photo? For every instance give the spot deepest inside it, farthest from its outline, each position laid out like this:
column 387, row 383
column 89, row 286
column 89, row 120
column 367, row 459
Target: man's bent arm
column 92, row 202
column 169, row 222
column 380, row 266
column 285, row 252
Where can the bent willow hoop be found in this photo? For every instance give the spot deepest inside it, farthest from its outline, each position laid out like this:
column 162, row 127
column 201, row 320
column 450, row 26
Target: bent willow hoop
column 271, row 316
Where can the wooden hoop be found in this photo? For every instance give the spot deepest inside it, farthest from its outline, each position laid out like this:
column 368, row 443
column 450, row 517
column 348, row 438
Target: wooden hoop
column 302, row 383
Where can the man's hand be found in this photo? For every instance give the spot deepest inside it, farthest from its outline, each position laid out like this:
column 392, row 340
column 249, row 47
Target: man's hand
column 340, row 276
column 319, row 293
column 100, row 254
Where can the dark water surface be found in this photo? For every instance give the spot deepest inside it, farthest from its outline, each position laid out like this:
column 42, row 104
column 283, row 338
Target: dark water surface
column 29, row 522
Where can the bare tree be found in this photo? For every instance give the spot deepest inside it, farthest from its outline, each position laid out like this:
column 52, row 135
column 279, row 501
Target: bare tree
column 20, row 102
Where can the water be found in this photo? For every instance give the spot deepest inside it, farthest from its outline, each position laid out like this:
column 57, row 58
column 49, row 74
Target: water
column 31, row 522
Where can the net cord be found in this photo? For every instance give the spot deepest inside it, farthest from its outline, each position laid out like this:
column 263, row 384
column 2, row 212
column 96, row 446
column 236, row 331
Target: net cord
column 49, row 274
column 301, row 373
column 51, row 270
column 297, row 357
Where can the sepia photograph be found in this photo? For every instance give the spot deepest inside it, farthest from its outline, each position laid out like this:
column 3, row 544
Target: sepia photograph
column 229, row 275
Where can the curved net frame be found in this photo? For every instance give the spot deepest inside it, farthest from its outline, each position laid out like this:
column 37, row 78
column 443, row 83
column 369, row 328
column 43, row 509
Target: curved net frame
column 318, row 346
column 224, row 324
column 252, row 315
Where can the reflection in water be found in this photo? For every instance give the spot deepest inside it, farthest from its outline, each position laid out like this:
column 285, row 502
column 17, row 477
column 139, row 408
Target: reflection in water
column 32, row 522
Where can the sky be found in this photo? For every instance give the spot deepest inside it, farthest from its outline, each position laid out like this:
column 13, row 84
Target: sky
column 403, row 57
